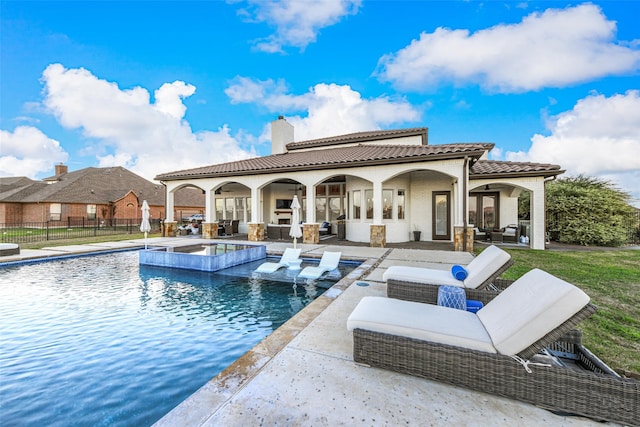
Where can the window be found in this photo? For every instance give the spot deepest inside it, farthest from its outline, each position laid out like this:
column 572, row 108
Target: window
column 219, row 208
column 400, row 204
column 484, row 210
column 387, row 204
column 357, row 204
column 240, row 208
column 228, row 204
column 55, row 211
column 321, row 209
column 368, row 195
column 334, row 208
column 91, row 211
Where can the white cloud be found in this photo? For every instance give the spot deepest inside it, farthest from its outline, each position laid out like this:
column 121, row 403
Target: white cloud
column 599, row 137
column 27, row 152
column 131, row 131
column 329, row 109
column 556, row 48
column 296, row 22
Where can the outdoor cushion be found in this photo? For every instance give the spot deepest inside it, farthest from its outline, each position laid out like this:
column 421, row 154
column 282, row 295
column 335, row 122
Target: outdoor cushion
column 479, row 270
column 289, row 254
column 533, row 305
column 421, row 321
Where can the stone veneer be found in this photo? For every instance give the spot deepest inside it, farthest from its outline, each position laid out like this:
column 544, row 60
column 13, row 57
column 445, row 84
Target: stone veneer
column 256, row 232
column 377, row 236
column 170, row 228
column 311, row 233
column 209, row 230
column 458, row 239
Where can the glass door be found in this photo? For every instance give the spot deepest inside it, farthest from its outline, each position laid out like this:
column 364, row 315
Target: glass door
column 441, row 215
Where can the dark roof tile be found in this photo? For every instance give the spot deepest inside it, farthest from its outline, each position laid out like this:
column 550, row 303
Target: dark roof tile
column 341, row 157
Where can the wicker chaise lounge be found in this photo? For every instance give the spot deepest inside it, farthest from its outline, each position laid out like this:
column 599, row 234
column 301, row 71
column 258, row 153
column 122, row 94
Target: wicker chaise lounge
column 493, row 351
column 421, row 284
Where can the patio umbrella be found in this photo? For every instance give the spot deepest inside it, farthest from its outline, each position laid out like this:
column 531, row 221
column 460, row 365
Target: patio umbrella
column 145, row 226
column 295, row 230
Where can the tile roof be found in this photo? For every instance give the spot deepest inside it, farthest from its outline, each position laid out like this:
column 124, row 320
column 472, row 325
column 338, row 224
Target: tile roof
column 352, row 138
column 497, row 169
column 89, row 185
column 341, row 157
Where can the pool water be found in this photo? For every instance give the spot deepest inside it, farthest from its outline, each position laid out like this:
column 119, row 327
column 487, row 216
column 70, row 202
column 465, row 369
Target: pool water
column 102, row 341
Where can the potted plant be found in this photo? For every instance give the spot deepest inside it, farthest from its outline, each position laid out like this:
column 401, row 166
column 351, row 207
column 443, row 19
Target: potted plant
column 416, row 233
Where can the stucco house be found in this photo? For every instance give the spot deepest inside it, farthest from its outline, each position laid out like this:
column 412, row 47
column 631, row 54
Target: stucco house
column 375, row 187
column 85, row 195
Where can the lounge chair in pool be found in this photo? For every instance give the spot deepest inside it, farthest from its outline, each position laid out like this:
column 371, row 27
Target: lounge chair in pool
column 289, row 255
column 495, row 350
column 328, row 262
column 421, row 284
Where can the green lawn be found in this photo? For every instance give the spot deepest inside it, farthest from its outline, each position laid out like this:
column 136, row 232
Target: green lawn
column 612, row 279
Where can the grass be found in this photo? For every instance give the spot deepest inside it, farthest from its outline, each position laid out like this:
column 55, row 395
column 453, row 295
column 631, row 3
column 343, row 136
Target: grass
column 612, row 279
column 85, row 240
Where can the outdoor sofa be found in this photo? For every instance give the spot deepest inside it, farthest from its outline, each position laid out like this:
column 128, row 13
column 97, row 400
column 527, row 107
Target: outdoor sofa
column 422, row 284
column 498, row 349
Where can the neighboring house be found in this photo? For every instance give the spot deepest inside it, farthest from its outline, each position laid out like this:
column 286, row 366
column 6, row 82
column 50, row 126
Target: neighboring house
column 90, row 194
column 385, row 184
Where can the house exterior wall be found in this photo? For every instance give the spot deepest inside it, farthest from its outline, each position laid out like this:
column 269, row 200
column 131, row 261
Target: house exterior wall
column 10, row 213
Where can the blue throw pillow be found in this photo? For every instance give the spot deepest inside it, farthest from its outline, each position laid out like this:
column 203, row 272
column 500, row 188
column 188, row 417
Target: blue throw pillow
column 459, row 272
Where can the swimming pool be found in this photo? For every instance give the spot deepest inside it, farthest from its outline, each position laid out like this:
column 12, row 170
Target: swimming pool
column 102, row 341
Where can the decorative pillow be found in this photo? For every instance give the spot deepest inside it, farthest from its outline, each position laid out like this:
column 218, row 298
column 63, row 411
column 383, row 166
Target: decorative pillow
column 325, row 225
column 459, row 272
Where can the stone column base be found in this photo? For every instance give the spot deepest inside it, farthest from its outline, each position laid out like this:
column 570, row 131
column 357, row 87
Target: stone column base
column 170, row 228
column 458, row 239
column 256, row 232
column 470, row 239
column 377, row 236
column 209, row 230
column 311, row 233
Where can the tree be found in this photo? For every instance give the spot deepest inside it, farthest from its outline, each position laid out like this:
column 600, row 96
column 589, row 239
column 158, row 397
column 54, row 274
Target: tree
column 587, row 211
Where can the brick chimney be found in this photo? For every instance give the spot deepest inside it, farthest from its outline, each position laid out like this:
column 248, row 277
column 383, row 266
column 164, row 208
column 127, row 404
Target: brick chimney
column 61, row 168
column 281, row 135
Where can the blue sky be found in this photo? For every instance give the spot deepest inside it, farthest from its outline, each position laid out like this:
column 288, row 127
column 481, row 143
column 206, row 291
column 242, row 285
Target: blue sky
column 158, row 86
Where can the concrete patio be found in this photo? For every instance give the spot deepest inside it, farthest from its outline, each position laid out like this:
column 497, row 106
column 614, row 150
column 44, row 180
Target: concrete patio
column 304, row 374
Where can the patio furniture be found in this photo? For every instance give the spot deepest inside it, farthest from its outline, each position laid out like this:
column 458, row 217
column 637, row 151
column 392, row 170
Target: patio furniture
column 290, row 255
column 328, row 262
column 421, row 284
column 498, row 349
column 496, row 236
column 511, row 234
column 325, row 228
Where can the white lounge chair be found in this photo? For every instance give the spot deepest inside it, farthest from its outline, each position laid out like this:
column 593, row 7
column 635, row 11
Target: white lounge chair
column 328, row 262
column 289, row 255
column 421, row 284
column 491, row 351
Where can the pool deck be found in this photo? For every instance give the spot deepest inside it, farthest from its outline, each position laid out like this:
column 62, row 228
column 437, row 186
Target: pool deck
column 304, row 374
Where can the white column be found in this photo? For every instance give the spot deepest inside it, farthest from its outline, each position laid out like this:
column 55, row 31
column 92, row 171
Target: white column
column 256, row 208
column 311, row 204
column 538, row 227
column 377, row 202
column 170, row 205
column 209, row 206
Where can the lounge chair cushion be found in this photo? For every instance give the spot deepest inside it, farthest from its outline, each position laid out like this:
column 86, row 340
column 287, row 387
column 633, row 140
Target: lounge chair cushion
column 421, row 321
column 289, row 254
column 533, row 305
column 421, row 275
column 479, row 270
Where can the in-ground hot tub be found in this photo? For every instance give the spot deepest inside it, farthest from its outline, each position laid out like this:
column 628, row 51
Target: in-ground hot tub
column 203, row 257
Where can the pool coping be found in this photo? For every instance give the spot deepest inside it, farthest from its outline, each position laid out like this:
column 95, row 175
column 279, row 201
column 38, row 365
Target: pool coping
column 197, row 408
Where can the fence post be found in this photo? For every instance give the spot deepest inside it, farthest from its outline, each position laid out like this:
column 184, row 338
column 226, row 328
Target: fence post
column 47, row 233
